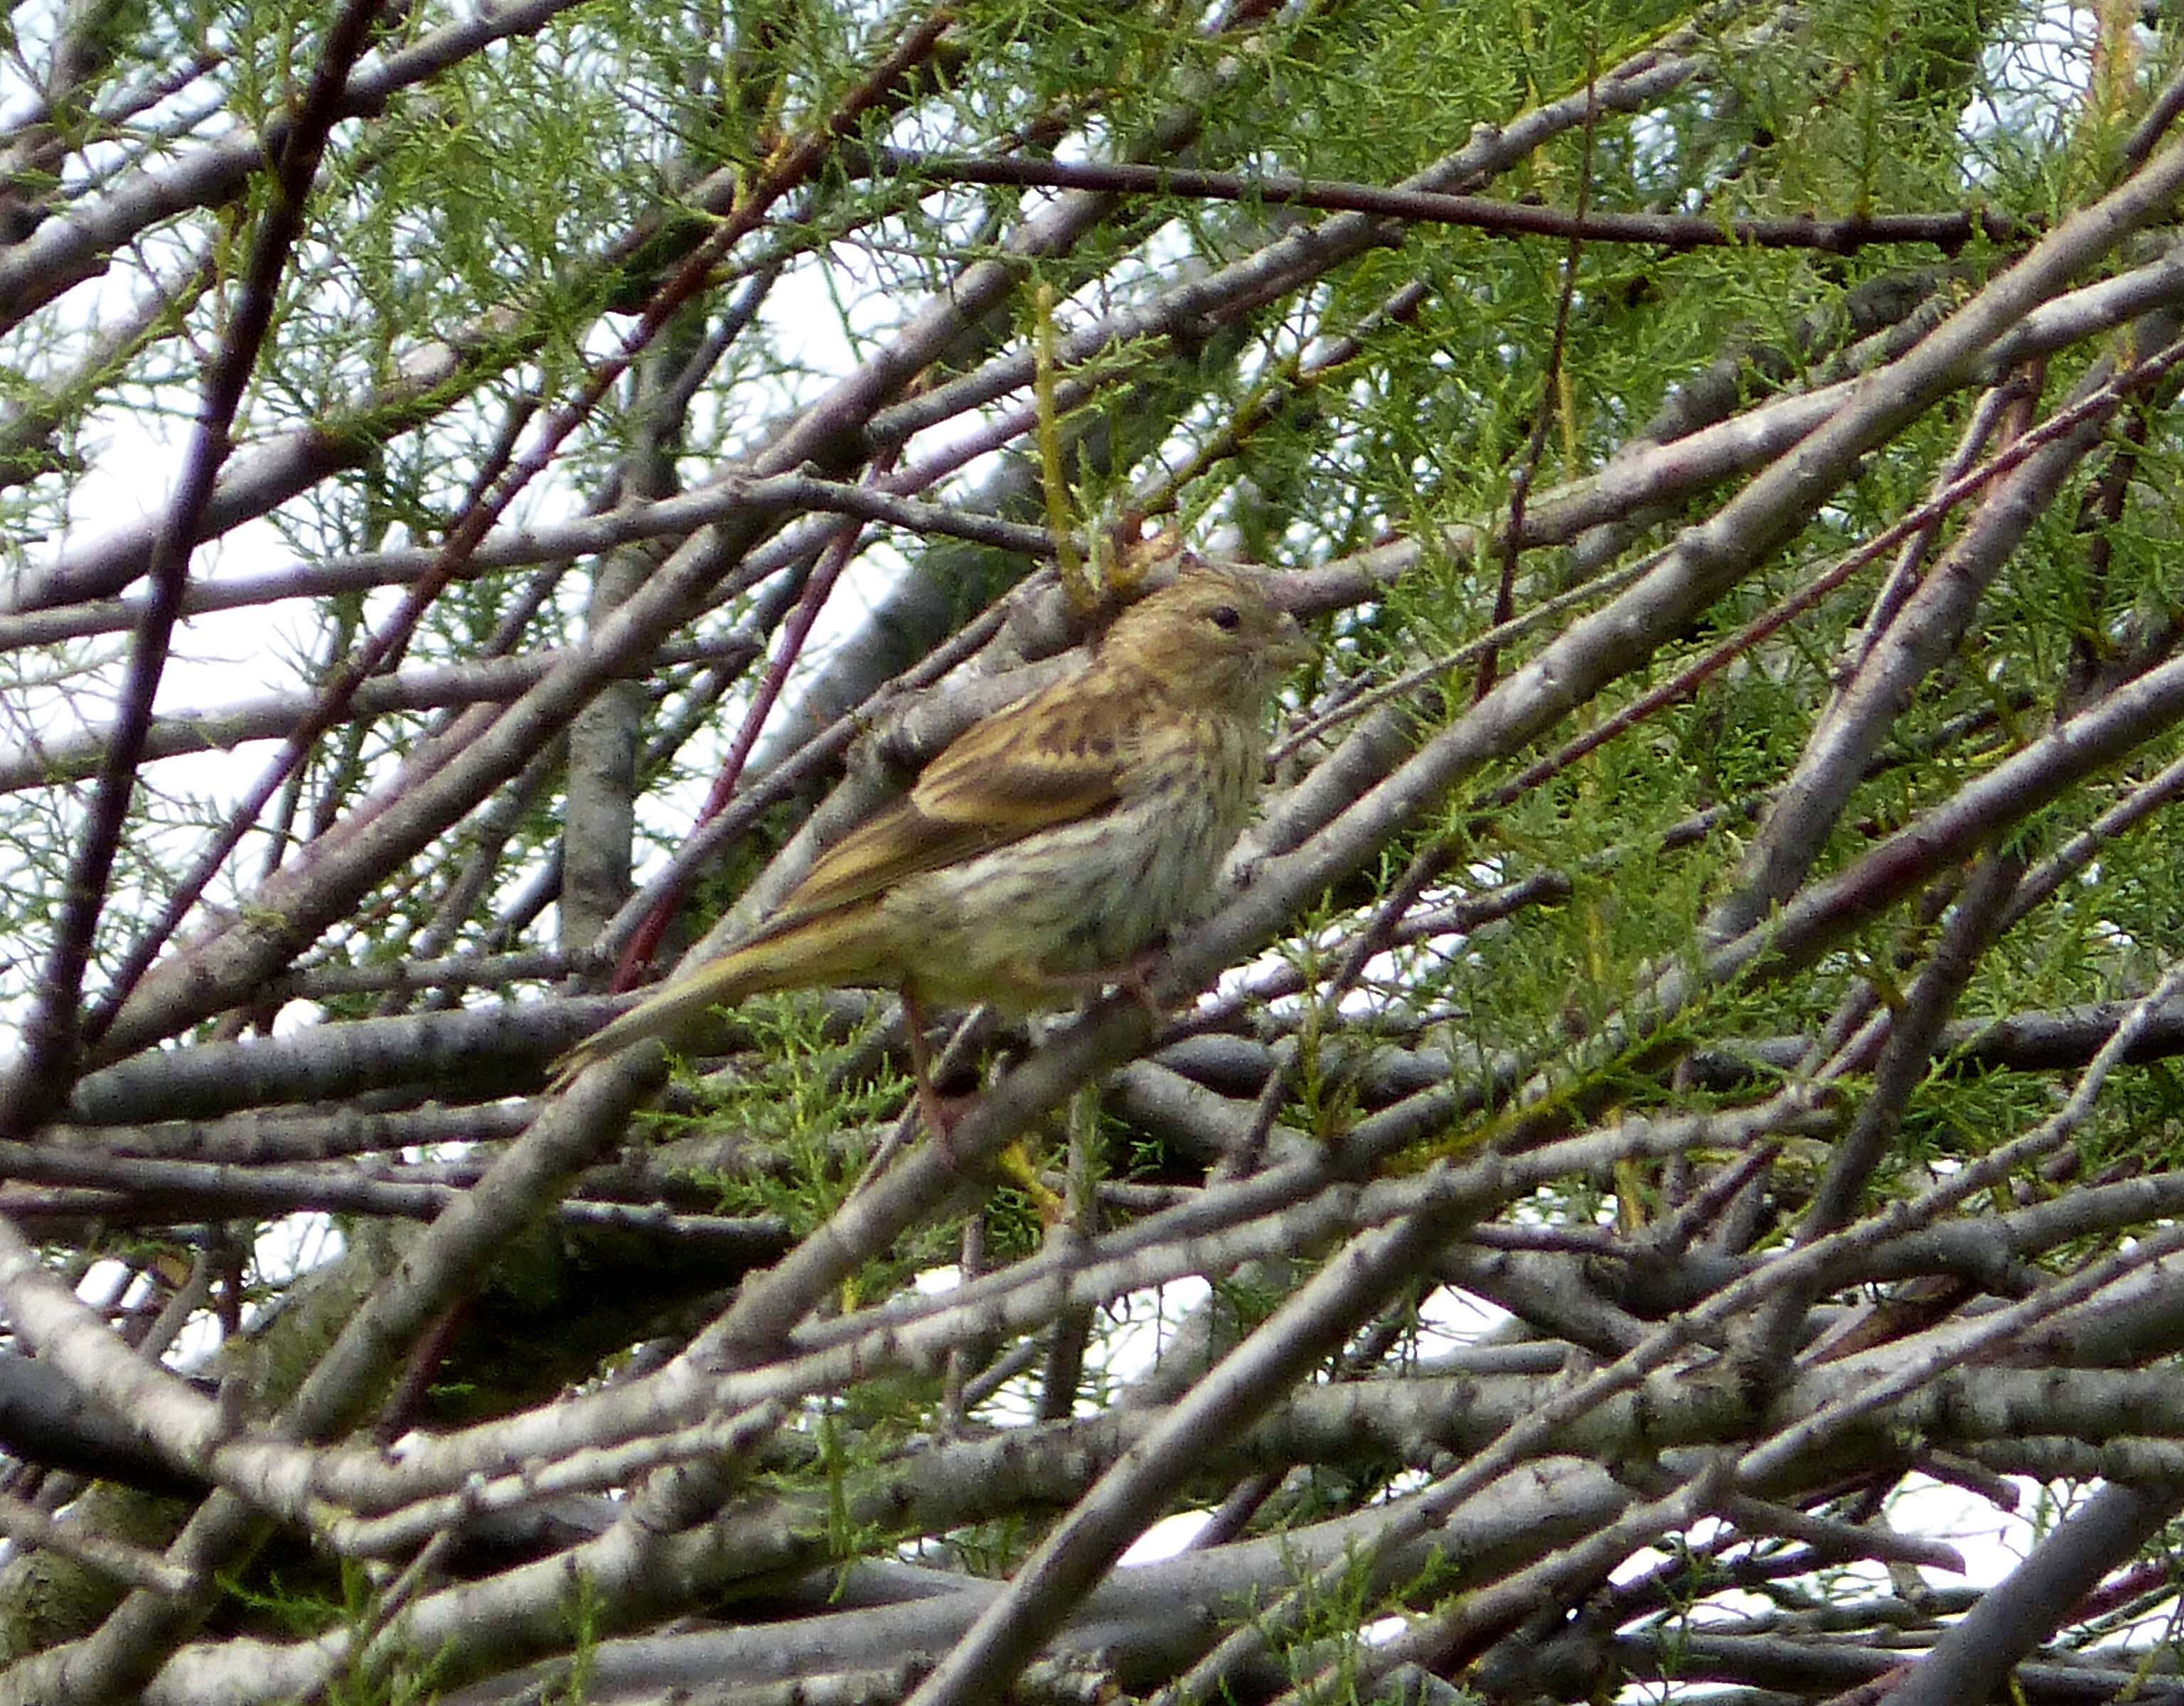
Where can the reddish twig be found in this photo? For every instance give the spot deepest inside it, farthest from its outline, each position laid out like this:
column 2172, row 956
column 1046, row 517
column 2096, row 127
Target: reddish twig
column 1845, row 234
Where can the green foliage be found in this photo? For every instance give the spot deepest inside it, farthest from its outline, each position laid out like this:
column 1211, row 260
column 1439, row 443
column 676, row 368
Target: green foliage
column 799, row 1107
column 309, row 1612
column 474, row 312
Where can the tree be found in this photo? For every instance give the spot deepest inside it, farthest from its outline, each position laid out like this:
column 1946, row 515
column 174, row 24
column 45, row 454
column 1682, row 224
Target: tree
column 1713, row 904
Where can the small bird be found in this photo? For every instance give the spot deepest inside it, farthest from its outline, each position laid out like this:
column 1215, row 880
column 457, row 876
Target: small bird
column 1045, row 847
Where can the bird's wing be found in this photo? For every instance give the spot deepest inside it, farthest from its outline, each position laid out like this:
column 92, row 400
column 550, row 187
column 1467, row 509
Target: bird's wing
column 1051, row 759
column 1054, row 757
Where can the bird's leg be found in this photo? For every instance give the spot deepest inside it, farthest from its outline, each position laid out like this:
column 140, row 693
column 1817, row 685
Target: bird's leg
column 1015, row 1162
column 921, row 1063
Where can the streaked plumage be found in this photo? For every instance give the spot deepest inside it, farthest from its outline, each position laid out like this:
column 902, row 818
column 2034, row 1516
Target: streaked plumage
column 1051, row 842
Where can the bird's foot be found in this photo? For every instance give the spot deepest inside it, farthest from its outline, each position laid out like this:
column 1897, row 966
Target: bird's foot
column 1133, row 978
column 1016, row 1166
column 940, row 1113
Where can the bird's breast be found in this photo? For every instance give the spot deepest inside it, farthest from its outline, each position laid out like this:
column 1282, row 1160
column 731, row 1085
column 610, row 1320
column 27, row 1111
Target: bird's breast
column 1087, row 896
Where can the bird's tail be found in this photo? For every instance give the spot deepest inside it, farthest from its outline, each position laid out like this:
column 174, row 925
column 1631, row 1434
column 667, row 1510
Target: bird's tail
column 662, row 1016
column 795, row 953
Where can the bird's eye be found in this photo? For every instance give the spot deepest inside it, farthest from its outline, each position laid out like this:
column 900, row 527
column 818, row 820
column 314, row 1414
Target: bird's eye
column 1225, row 617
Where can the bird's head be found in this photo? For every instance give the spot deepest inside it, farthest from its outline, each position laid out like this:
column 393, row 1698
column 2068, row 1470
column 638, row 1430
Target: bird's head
column 1213, row 638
